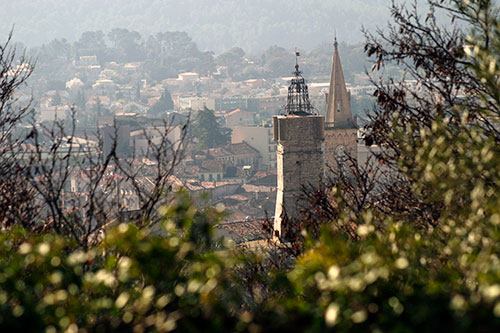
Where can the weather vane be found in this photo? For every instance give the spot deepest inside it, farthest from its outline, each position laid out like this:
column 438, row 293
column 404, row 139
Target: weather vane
column 297, row 55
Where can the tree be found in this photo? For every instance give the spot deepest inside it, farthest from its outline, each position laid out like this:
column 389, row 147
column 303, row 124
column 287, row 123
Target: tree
column 435, row 57
column 80, row 99
column 277, row 61
column 55, row 181
column 17, row 206
column 232, row 59
column 126, row 44
column 138, row 92
column 92, row 43
column 174, row 52
column 57, row 99
column 98, row 108
column 164, row 104
column 124, row 268
column 408, row 252
column 208, row 131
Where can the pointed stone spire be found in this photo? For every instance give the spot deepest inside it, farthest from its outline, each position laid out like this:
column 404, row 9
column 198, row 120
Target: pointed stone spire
column 338, row 106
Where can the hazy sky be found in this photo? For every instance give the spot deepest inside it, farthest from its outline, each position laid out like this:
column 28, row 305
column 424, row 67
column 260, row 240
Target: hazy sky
column 214, row 24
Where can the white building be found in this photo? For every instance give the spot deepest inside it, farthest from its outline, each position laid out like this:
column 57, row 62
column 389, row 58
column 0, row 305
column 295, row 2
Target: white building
column 53, row 113
column 196, row 103
column 189, row 77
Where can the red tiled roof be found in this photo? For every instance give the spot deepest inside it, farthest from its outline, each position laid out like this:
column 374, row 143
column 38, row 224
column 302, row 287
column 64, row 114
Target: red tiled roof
column 219, row 152
column 232, row 112
column 242, row 148
column 211, row 166
column 243, row 231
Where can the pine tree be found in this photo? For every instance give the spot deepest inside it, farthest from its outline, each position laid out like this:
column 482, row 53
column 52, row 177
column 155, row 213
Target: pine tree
column 57, row 99
column 98, row 108
column 138, row 92
column 208, row 131
column 165, row 103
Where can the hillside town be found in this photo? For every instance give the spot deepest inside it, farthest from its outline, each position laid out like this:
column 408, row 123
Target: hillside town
column 117, row 101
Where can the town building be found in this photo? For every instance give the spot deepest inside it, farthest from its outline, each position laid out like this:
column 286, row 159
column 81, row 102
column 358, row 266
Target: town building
column 239, row 117
column 55, row 113
column 196, row 103
column 261, row 138
column 237, row 154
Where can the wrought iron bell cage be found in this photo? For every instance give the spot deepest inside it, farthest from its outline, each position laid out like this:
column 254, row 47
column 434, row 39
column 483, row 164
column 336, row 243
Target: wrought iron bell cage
column 297, row 102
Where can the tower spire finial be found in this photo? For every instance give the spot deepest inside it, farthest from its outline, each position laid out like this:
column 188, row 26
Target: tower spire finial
column 297, row 55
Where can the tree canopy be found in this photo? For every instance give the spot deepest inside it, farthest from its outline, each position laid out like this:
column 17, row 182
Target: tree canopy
column 208, row 131
column 164, row 104
column 213, row 24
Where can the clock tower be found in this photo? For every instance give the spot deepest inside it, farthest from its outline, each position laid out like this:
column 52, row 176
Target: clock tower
column 341, row 131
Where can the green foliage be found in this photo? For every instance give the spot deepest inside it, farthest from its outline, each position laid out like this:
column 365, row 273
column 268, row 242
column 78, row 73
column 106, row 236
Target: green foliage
column 164, row 104
column 125, row 45
column 56, row 99
column 136, row 279
column 401, row 275
column 277, row 61
column 175, row 52
column 233, row 60
column 208, row 131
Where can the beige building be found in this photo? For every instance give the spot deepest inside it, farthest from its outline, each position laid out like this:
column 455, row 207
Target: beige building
column 211, row 170
column 239, row 117
column 236, row 154
column 53, row 113
column 260, row 138
column 189, row 77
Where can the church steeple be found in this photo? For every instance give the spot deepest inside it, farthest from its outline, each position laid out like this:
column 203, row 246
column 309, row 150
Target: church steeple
column 338, row 105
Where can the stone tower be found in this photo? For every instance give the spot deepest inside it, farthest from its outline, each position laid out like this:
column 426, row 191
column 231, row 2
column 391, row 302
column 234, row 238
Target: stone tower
column 299, row 134
column 340, row 127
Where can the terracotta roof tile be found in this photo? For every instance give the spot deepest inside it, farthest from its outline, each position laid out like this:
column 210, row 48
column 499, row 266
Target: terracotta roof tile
column 243, row 231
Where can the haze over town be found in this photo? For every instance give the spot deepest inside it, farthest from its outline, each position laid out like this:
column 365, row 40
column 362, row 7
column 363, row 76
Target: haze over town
column 215, row 25
column 138, row 81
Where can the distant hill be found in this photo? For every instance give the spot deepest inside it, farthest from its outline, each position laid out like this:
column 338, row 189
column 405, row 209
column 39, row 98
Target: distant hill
column 216, row 25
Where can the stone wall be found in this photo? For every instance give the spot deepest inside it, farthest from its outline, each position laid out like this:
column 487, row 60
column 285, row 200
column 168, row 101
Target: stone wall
column 299, row 163
column 335, row 140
